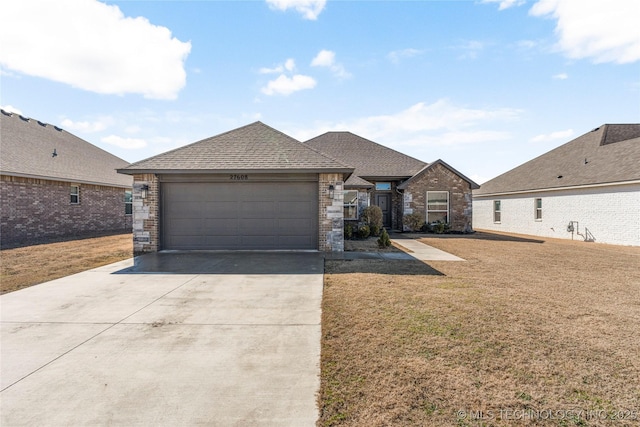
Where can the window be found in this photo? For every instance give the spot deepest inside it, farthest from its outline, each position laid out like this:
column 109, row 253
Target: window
column 128, row 202
column 437, row 206
column 538, row 210
column 383, row 186
column 497, row 213
column 350, row 204
column 74, row 192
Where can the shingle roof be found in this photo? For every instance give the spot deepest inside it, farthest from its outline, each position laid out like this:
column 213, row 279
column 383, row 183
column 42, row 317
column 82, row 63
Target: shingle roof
column 254, row 147
column 370, row 159
column 608, row 154
column 27, row 147
column 432, row 165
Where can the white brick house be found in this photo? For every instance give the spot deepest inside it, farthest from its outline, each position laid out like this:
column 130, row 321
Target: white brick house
column 587, row 189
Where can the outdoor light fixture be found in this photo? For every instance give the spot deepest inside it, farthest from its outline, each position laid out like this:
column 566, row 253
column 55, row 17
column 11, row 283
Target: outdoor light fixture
column 143, row 191
column 331, row 189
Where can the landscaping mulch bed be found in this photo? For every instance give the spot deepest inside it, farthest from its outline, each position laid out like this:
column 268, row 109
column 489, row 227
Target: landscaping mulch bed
column 526, row 331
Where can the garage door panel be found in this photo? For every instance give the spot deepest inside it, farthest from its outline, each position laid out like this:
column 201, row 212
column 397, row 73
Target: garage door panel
column 219, row 215
column 220, row 227
column 220, row 209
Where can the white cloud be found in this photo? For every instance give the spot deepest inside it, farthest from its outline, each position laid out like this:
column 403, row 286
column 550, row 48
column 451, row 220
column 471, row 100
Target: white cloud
column 86, row 126
column 471, row 49
column 284, row 85
column 11, row 109
column 561, row 134
column 605, row 31
column 505, row 4
column 422, row 125
column 397, row 55
column 561, row 76
column 127, row 143
column 327, row 58
column 309, row 9
column 289, row 65
column 92, row 46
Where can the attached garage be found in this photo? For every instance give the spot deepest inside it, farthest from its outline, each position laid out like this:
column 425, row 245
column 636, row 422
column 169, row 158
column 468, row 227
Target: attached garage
column 252, row 188
column 240, row 215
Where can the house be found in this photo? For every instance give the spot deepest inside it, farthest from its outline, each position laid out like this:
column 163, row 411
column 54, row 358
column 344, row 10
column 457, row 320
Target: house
column 587, row 189
column 398, row 184
column 54, row 184
column 250, row 188
column 256, row 188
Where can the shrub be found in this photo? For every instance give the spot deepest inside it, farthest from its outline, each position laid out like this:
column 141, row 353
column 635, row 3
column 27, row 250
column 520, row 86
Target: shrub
column 383, row 240
column 364, row 231
column 348, row 231
column 413, row 221
column 372, row 216
column 440, row 227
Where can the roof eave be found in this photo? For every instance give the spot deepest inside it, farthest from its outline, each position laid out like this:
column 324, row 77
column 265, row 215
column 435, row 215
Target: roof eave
column 127, row 171
column 62, row 179
column 566, row 187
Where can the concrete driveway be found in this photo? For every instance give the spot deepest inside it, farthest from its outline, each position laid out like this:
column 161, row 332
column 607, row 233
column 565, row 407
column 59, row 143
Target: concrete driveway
column 178, row 339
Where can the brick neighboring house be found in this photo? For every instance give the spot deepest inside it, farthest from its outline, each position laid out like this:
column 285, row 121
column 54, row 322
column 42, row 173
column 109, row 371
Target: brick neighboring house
column 587, row 189
column 54, row 184
column 398, row 184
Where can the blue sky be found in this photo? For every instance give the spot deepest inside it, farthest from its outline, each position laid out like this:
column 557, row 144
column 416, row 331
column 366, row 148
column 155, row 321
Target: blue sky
column 483, row 85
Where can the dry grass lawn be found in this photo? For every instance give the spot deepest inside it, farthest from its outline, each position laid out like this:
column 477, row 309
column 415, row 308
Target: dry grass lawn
column 522, row 325
column 30, row 265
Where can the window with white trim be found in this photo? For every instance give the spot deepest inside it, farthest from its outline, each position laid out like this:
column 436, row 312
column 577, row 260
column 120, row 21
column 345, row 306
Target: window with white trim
column 538, row 209
column 128, row 202
column 437, row 207
column 74, row 193
column 350, row 204
column 497, row 211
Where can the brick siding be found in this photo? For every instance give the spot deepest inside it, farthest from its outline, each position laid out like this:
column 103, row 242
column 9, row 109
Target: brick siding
column 33, row 210
column 441, row 178
column 146, row 214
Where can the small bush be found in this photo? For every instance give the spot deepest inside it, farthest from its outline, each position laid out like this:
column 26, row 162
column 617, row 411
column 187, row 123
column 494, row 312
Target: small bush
column 348, row 231
column 364, row 231
column 383, row 240
column 440, row 227
column 413, row 221
column 372, row 216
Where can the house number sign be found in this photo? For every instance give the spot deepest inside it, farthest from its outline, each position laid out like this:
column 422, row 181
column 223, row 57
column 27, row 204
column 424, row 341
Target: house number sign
column 235, row 177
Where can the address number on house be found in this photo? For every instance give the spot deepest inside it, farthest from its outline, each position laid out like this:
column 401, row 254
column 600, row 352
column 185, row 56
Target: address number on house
column 234, row 177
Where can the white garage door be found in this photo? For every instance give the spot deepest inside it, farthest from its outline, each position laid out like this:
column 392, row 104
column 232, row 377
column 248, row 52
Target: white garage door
column 240, row 215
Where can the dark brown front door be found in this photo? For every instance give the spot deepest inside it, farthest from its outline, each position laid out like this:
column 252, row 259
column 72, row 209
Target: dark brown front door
column 384, row 202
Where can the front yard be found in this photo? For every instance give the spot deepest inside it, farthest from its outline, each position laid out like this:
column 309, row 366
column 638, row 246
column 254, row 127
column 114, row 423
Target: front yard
column 525, row 332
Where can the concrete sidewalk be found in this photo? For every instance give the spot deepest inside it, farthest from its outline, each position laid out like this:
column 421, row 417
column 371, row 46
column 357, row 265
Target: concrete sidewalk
column 425, row 252
column 115, row 346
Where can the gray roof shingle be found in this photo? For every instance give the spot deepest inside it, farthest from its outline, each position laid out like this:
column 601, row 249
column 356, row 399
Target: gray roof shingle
column 608, row 154
column 370, row 160
column 27, row 146
column 254, row 147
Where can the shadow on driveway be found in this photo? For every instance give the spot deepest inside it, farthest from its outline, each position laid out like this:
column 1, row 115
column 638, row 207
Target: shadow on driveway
column 227, row 262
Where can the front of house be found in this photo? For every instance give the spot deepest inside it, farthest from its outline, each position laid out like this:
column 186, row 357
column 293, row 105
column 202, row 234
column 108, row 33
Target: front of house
column 255, row 188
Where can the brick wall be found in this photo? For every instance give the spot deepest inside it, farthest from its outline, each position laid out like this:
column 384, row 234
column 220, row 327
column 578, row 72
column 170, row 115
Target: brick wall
column 611, row 214
column 35, row 210
column 146, row 214
column 441, row 178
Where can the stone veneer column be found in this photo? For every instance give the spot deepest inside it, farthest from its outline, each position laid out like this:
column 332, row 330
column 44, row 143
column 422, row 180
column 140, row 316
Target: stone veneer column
column 331, row 221
column 146, row 227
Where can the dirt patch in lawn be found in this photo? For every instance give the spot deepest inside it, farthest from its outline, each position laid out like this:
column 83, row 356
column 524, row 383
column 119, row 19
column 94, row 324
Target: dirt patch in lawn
column 27, row 266
column 367, row 245
column 523, row 327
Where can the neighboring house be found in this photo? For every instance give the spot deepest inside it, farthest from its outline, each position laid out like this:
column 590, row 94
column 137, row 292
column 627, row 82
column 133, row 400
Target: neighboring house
column 587, row 189
column 398, row 184
column 54, row 184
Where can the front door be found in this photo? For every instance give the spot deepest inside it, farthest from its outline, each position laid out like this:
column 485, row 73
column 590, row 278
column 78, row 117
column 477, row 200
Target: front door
column 383, row 201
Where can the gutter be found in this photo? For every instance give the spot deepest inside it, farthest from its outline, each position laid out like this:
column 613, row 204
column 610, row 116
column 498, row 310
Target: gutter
column 572, row 187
